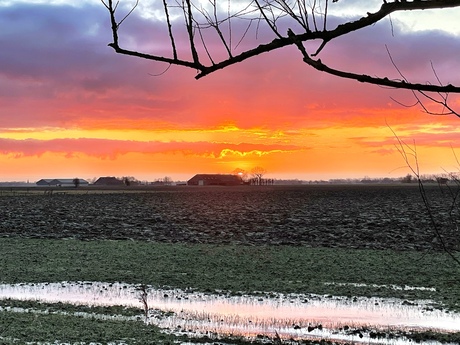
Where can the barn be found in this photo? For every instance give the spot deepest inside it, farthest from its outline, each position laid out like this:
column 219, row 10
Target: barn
column 61, row 182
column 109, row 181
column 215, row 180
column 44, row 182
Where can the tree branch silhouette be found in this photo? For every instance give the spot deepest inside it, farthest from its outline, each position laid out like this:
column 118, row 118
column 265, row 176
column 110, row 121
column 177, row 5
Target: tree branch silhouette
column 303, row 16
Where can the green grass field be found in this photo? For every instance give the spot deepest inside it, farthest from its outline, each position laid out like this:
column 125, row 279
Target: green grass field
column 232, row 268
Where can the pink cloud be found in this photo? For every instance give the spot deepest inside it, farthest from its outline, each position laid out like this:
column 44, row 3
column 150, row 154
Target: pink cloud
column 433, row 139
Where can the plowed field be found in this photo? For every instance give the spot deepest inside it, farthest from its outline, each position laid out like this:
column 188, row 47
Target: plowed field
column 349, row 216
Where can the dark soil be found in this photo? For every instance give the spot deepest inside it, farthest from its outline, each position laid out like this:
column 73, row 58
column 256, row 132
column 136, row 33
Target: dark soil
column 349, row 216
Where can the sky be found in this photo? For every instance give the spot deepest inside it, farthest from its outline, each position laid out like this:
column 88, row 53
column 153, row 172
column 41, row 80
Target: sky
column 71, row 107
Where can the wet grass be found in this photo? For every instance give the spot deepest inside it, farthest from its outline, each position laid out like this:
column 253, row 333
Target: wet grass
column 44, row 307
column 207, row 268
column 19, row 328
column 233, row 268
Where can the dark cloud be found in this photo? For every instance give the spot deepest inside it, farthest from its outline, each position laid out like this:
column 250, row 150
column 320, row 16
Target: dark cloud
column 43, row 41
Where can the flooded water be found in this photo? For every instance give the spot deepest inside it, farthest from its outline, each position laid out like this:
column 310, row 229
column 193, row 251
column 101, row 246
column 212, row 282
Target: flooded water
column 291, row 316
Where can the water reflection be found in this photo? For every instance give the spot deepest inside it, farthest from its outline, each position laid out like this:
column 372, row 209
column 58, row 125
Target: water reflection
column 298, row 316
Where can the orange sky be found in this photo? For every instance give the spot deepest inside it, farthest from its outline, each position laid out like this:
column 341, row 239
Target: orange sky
column 76, row 109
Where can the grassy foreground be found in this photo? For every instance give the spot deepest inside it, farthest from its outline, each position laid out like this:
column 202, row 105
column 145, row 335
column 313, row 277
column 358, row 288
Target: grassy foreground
column 234, row 268
column 208, row 268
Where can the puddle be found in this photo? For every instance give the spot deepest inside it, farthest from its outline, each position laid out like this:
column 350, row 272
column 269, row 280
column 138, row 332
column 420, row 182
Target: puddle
column 292, row 316
column 391, row 287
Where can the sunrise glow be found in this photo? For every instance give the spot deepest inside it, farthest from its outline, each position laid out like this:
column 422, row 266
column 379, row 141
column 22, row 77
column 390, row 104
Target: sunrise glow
column 69, row 106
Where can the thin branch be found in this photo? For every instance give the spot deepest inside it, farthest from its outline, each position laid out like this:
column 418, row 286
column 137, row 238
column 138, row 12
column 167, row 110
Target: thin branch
column 313, row 15
column 161, row 73
column 303, row 14
column 229, row 24
column 219, row 32
column 129, row 13
column 171, row 36
column 113, row 23
column 394, row 64
column 208, row 53
column 325, row 15
column 244, row 33
column 293, row 39
column 173, row 61
column 443, row 102
column 402, row 147
column 269, row 23
column 399, row 84
column 286, row 8
column 189, row 23
column 385, row 10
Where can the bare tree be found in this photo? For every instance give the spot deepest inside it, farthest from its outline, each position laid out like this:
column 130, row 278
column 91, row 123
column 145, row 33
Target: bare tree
column 129, row 181
column 217, row 36
column 76, row 182
column 258, row 174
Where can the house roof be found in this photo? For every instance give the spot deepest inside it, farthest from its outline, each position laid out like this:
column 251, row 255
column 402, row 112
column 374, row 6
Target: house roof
column 45, row 180
column 67, row 181
column 108, row 180
column 222, row 177
column 216, row 179
column 57, row 181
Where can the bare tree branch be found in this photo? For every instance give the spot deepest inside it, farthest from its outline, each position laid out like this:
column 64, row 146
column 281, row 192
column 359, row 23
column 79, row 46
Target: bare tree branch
column 270, row 13
column 409, row 154
column 189, row 23
column 171, row 36
column 442, row 100
column 398, row 84
column 271, row 23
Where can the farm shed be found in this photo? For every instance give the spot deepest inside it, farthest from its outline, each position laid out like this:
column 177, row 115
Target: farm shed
column 44, row 182
column 109, row 181
column 215, row 180
column 61, row 182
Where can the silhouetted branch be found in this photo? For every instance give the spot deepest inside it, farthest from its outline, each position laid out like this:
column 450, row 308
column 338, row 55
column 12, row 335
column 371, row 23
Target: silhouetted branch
column 171, row 36
column 410, row 157
column 270, row 12
column 442, row 100
column 189, row 23
column 270, row 23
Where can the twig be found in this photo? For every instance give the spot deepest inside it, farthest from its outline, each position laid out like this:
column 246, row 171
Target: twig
column 401, row 147
column 144, row 300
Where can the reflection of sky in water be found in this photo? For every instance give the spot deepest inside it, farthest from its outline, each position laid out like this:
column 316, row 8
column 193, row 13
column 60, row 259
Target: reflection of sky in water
column 243, row 314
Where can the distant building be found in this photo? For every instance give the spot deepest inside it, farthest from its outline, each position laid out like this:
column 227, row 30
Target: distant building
column 44, row 182
column 108, row 181
column 215, row 180
column 61, row 182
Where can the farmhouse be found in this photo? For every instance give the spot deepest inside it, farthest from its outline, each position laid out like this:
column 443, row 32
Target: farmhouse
column 61, row 182
column 215, row 180
column 108, row 181
column 44, row 182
